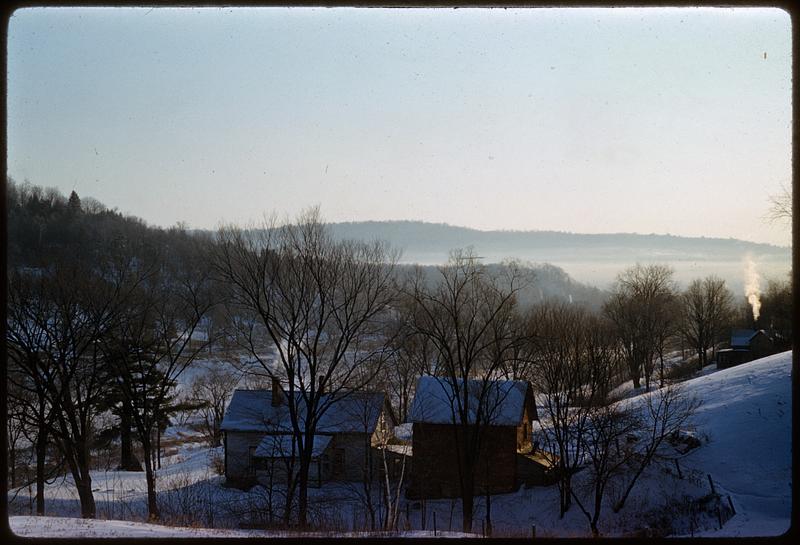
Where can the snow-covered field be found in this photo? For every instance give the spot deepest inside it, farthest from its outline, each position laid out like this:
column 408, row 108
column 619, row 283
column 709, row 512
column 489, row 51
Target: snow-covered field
column 744, row 424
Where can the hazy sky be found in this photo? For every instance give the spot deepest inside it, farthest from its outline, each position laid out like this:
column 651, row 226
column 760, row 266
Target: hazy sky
column 586, row 120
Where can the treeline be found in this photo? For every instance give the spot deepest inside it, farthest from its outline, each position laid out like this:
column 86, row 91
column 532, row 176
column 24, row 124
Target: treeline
column 102, row 317
column 105, row 314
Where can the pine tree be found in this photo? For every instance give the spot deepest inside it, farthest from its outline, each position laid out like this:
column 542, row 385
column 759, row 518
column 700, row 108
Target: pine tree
column 74, row 203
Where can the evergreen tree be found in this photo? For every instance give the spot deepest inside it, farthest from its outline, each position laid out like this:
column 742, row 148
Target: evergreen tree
column 74, row 203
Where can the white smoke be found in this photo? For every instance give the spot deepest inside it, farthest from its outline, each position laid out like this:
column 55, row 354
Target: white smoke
column 752, row 287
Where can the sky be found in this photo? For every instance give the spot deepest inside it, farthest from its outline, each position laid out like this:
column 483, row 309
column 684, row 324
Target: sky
column 650, row 120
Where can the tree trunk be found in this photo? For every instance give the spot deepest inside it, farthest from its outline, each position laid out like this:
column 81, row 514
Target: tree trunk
column 565, row 497
column 84, row 486
column 488, row 512
column 302, row 504
column 41, row 453
column 152, row 498
column 127, row 458
column 633, row 365
column 12, row 463
column 467, row 509
column 621, row 503
column 150, row 477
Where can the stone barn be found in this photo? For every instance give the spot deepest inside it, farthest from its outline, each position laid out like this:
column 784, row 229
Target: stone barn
column 745, row 345
column 259, row 444
column 505, row 437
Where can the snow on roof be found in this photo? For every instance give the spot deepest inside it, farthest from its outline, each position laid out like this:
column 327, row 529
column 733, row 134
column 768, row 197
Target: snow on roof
column 434, row 402
column 742, row 337
column 280, row 446
column 252, row 410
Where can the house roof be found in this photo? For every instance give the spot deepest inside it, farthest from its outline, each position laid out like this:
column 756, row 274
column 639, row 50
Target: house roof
column 252, row 410
column 742, row 337
column 434, row 402
column 280, row 446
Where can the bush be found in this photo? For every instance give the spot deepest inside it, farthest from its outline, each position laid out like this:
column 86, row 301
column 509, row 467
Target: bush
column 682, row 371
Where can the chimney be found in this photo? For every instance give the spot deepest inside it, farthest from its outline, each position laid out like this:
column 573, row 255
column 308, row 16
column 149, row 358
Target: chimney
column 321, row 384
column 277, row 393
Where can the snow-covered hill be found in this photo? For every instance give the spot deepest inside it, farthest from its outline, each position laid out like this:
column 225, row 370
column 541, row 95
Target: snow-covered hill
column 747, row 417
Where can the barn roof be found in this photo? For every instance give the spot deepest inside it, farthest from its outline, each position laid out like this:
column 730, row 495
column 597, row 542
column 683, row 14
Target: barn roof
column 434, row 402
column 252, row 410
column 280, row 446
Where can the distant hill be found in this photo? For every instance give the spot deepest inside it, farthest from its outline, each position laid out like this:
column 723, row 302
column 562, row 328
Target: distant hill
column 591, row 258
column 542, row 281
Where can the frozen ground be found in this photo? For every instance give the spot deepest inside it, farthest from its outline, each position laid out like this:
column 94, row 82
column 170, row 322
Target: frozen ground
column 55, row 527
column 744, row 424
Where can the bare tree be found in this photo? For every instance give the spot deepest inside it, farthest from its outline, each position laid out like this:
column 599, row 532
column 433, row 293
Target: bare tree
column 151, row 345
column 210, row 391
column 561, row 374
column 393, row 479
column 665, row 412
column 706, row 313
column 17, row 403
column 466, row 316
column 81, row 303
column 376, row 427
column 777, row 311
column 517, row 362
column 608, row 453
column 29, row 371
column 637, row 304
column 412, row 356
column 323, row 305
column 780, row 206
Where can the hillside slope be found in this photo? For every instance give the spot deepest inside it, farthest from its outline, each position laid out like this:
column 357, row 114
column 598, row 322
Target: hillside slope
column 589, row 258
column 747, row 416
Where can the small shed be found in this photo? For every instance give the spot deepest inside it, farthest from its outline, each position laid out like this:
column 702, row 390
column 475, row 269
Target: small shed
column 745, row 345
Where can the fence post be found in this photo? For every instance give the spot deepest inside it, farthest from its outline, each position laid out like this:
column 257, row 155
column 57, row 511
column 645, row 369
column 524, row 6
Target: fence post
column 533, row 531
column 434, row 524
column 678, row 467
column 713, row 490
column 719, row 516
column 730, row 502
column 483, row 528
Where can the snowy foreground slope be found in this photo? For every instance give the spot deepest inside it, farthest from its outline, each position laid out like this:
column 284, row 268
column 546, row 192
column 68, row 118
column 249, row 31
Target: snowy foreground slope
column 54, row 527
column 747, row 416
column 744, row 424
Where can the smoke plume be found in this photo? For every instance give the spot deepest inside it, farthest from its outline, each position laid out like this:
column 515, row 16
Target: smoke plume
column 752, row 287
